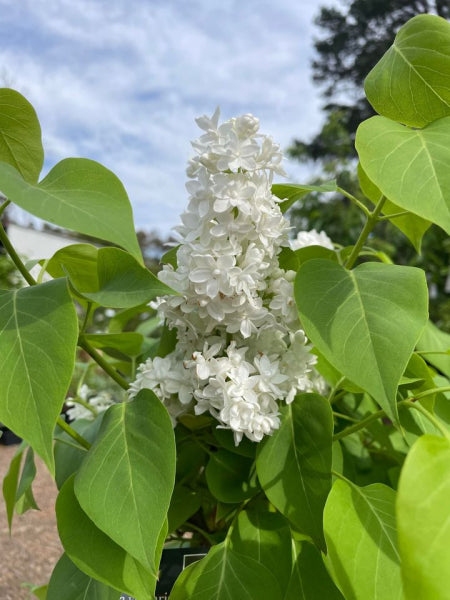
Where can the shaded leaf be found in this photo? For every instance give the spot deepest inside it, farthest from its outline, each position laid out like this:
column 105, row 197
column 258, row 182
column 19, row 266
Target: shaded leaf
column 11, row 482
column 230, row 477
column 291, row 192
column 68, row 582
column 310, row 579
column 294, row 464
column 436, row 347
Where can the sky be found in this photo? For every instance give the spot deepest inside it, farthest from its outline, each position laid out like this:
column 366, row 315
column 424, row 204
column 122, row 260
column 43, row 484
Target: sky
column 121, row 82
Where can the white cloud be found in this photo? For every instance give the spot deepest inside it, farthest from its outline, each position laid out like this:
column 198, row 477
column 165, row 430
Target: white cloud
column 121, row 82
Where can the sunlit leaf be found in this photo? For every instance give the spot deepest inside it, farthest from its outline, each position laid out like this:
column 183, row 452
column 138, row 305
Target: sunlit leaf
column 409, row 166
column 363, row 321
column 411, row 82
column 423, row 519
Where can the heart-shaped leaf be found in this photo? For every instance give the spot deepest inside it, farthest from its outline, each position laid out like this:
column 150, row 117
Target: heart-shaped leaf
column 423, row 519
column 411, row 82
column 78, row 194
column 409, row 166
column 129, row 501
column 36, row 375
column 363, row 321
column 108, row 276
column 411, row 225
column 294, row 464
column 291, row 192
column 20, row 135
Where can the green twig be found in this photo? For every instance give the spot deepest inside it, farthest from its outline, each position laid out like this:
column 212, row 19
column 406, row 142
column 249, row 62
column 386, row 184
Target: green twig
column 188, row 525
column 104, row 364
column 358, row 203
column 3, row 206
column 15, row 257
column 86, row 317
column 73, row 434
column 369, row 225
column 394, row 215
column 410, row 403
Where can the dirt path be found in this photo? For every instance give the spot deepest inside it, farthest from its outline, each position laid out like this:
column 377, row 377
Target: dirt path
column 31, row 553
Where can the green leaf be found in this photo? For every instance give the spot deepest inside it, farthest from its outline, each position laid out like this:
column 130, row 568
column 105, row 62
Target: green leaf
column 39, row 591
column 68, row 458
column 108, row 276
column 411, row 82
column 20, row 135
column 130, row 499
column 291, row 192
column 184, row 503
column 24, row 497
column 409, row 166
column 423, row 519
column 225, row 439
column 359, row 526
column 170, row 257
column 363, row 321
column 310, row 579
column 230, row 477
column 68, row 582
column 292, row 259
column 432, row 342
column 117, row 344
column 36, row 375
column 11, row 482
column 294, row 464
column 411, row 225
column 264, row 536
column 225, row 575
column 80, row 195
column 96, row 554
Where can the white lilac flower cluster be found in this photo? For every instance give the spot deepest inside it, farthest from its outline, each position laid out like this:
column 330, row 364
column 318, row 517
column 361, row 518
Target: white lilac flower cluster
column 240, row 349
column 88, row 403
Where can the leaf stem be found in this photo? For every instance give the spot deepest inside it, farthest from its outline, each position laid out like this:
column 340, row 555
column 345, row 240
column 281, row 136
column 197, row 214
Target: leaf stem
column 358, row 203
column 104, row 364
column 394, row 215
column 410, row 403
column 369, row 225
column 15, row 257
column 73, row 434
column 205, row 534
column 3, row 206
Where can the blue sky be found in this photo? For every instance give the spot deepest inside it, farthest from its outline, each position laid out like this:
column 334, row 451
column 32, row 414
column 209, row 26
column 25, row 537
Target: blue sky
column 121, row 82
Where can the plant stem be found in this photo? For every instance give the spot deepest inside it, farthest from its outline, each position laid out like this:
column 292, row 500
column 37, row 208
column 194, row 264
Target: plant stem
column 357, row 426
column 369, row 225
column 430, row 417
column 104, row 364
column 86, row 405
column 205, row 534
column 3, row 206
column 73, row 434
column 15, row 257
column 358, row 203
column 394, row 216
column 86, row 317
column 346, row 417
column 410, row 403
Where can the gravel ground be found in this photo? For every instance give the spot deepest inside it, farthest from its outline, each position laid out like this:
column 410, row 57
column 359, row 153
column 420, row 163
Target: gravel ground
column 31, row 553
